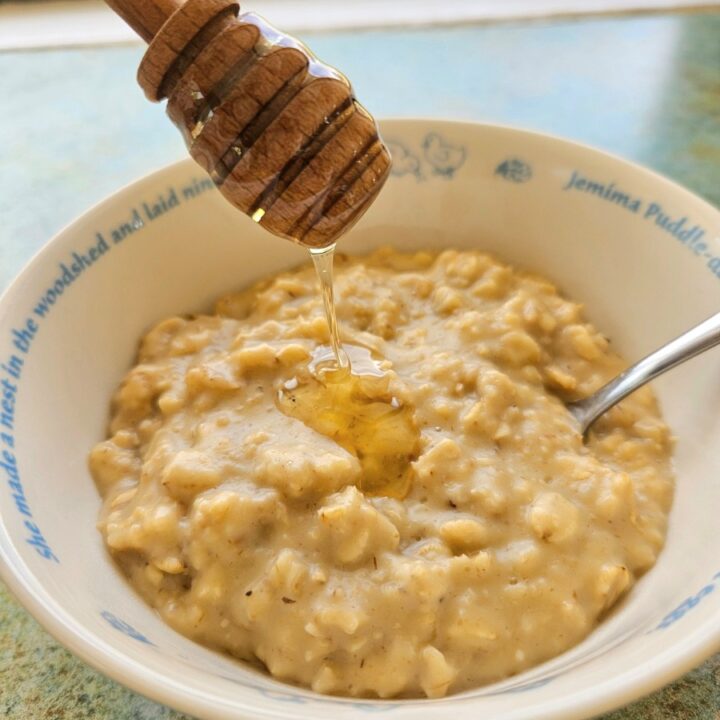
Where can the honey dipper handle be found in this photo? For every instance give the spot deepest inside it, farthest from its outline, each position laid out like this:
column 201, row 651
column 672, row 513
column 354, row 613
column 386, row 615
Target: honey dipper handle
column 145, row 17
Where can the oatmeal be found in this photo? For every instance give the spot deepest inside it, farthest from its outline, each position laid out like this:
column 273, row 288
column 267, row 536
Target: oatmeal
column 257, row 529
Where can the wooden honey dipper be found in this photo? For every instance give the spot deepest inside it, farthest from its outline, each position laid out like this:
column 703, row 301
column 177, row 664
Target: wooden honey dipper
column 280, row 133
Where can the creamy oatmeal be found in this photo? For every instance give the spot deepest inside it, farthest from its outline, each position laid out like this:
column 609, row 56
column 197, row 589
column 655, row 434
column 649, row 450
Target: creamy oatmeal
column 253, row 531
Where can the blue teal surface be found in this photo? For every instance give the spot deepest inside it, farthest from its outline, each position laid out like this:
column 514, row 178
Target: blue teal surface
column 76, row 127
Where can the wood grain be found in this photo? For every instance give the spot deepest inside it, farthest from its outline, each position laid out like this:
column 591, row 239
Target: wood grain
column 174, row 38
column 145, row 17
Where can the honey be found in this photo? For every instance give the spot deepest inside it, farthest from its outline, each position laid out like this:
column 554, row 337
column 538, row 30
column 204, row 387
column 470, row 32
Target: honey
column 344, row 395
column 323, row 260
column 353, row 406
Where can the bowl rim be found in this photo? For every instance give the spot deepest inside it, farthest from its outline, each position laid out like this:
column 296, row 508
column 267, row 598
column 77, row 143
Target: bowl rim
column 103, row 656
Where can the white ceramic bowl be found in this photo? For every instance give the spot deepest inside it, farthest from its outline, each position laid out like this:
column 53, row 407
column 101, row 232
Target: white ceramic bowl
column 643, row 254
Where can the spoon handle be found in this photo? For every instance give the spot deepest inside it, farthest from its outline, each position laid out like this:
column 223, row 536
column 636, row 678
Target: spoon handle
column 695, row 341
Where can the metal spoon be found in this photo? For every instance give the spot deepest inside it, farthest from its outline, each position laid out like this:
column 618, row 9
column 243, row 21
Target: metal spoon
column 701, row 338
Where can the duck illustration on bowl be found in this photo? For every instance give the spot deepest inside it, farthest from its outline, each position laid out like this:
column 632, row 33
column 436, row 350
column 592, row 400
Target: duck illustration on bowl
column 444, row 157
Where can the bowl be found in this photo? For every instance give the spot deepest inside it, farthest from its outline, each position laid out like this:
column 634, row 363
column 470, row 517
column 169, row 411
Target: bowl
column 641, row 252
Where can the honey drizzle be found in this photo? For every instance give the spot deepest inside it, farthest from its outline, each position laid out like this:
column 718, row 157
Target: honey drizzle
column 323, row 260
column 344, row 394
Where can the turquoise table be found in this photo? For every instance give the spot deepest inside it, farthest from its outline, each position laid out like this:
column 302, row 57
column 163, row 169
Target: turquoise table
column 74, row 127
